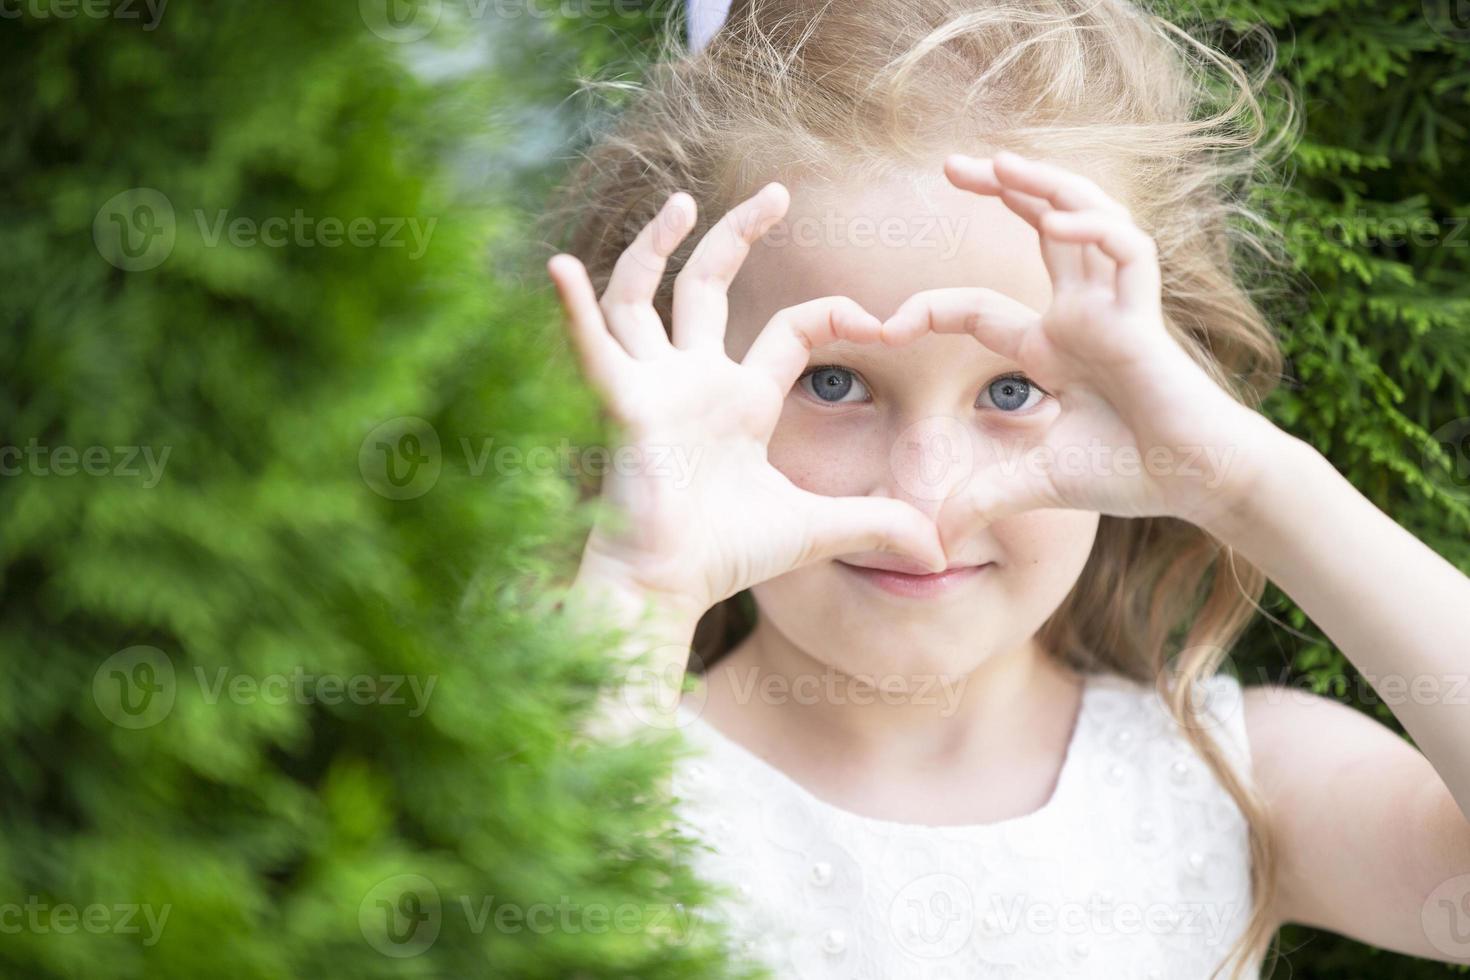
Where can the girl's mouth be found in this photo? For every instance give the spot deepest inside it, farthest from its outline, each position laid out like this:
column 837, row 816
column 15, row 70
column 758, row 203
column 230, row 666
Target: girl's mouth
column 915, row 585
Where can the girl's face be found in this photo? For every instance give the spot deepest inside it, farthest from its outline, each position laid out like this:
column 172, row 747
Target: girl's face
column 909, row 423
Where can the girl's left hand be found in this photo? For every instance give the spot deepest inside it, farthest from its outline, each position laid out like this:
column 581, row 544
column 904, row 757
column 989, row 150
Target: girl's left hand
column 1143, row 430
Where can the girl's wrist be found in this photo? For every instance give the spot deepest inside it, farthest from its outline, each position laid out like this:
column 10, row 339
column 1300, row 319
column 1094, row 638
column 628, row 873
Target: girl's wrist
column 670, row 616
column 654, row 637
column 1264, row 461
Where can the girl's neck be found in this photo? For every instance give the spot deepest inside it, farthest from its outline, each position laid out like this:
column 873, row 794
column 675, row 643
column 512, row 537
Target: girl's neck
column 771, row 695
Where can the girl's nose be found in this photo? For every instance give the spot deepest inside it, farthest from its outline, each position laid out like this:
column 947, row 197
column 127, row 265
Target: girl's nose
column 930, row 460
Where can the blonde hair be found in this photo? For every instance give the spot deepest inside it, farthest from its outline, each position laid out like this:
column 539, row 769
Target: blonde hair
column 855, row 90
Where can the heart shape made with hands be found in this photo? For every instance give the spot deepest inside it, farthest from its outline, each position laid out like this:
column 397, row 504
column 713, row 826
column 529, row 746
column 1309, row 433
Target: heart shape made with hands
column 1101, row 348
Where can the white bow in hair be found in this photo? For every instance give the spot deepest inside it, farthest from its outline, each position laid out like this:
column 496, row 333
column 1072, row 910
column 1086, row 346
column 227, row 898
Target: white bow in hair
column 705, row 18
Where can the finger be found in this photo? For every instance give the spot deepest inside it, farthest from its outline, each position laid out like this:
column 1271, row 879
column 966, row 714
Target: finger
column 852, row 525
column 993, row 318
column 1064, row 262
column 602, row 358
column 1063, row 189
column 627, row 303
column 1137, row 280
column 1012, row 485
column 701, row 291
column 1101, row 270
column 784, row 345
column 1055, row 188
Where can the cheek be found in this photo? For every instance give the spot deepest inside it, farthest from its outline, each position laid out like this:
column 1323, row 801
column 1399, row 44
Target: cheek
column 835, row 456
column 1045, row 550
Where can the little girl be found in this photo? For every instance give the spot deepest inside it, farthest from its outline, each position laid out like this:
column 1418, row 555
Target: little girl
column 956, row 351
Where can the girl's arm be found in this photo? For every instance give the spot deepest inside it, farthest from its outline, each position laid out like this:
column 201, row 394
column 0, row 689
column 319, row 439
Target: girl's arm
column 1374, row 837
column 656, row 635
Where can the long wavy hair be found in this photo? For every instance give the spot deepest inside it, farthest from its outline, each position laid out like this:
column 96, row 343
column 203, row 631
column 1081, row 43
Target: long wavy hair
column 861, row 89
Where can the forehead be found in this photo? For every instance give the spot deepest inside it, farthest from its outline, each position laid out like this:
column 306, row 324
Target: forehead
column 881, row 242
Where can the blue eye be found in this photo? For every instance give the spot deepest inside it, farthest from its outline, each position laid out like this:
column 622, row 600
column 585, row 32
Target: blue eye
column 833, row 385
column 1011, row 393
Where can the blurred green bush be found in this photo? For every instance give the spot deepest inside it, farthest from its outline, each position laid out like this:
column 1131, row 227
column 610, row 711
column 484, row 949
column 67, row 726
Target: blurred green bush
column 282, row 694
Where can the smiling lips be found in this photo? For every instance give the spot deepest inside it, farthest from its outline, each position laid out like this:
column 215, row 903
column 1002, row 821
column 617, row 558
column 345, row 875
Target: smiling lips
column 904, row 578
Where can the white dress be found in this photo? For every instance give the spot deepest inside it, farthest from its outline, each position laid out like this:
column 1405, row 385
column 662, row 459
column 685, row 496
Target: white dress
column 1136, row 867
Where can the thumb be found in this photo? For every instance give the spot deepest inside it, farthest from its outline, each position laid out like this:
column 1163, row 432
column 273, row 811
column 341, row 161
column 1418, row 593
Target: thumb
column 991, row 493
column 850, row 525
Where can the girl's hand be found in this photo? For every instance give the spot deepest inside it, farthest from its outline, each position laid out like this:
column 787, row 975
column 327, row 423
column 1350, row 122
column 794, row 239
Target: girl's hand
column 1140, row 428
column 705, row 515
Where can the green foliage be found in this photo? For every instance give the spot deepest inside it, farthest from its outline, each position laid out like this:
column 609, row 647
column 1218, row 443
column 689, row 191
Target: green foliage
column 262, row 705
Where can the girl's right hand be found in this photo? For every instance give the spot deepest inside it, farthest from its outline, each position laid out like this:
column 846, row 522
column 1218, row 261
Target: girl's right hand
column 705, row 514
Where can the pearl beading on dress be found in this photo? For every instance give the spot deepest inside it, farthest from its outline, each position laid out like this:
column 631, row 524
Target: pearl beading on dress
column 1138, row 865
